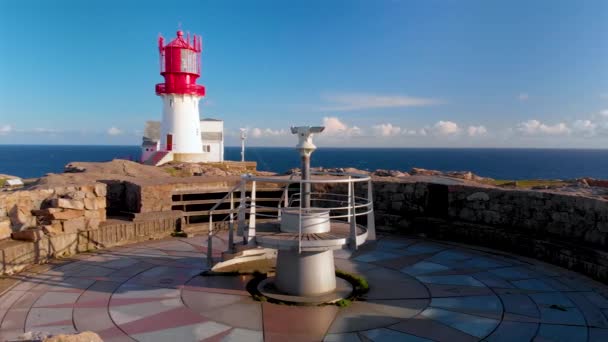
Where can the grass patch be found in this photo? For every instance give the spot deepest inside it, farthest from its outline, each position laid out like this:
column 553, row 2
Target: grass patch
column 180, row 233
column 2, row 182
column 344, row 303
column 360, row 284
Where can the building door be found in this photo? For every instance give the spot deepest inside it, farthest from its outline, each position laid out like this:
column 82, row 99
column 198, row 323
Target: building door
column 169, row 142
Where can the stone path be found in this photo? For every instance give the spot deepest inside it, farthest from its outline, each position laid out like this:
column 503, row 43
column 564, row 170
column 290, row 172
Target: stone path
column 420, row 291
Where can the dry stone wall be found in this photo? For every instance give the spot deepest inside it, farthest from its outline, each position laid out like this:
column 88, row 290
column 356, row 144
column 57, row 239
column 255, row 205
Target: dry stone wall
column 570, row 217
column 568, row 230
column 29, row 214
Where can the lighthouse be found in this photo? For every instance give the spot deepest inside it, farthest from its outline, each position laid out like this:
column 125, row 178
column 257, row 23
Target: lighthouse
column 181, row 135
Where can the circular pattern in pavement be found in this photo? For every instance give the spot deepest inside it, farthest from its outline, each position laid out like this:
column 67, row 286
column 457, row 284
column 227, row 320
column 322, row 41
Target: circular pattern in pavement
column 419, row 291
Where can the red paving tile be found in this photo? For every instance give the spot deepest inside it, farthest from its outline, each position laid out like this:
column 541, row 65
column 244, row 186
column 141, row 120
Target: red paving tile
column 164, row 320
column 296, row 323
column 55, row 323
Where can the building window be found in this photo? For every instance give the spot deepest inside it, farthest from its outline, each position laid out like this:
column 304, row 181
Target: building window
column 171, row 103
column 206, row 148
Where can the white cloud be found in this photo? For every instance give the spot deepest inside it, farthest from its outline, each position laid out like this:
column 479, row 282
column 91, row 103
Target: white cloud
column 523, row 96
column 333, row 126
column 584, row 127
column 474, row 131
column 357, row 101
column 535, row 127
column 266, row 132
column 5, row 129
column 386, row 130
column 114, row 131
column 446, row 128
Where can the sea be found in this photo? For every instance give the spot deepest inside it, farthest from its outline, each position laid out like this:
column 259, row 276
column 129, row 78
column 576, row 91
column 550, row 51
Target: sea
column 29, row 161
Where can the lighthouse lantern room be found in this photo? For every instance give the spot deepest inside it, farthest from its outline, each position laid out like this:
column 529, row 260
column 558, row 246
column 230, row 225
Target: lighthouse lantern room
column 182, row 135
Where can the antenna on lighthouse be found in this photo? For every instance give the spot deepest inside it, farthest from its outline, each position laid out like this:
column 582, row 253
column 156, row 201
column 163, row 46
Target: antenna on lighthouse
column 243, row 137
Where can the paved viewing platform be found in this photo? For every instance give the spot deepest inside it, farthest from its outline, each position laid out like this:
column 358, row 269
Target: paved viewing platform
column 420, row 290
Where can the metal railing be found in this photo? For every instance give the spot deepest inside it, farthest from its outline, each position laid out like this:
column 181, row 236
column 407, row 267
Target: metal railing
column 341, row 206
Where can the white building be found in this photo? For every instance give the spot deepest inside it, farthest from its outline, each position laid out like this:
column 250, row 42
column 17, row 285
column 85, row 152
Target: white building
column 211, row 138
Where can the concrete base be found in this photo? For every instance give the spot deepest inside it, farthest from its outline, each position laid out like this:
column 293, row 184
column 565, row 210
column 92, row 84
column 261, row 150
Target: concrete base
column 343, row 290
column 306, row 273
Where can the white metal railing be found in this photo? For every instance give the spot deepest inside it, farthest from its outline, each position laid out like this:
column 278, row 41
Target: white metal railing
column 356, row 206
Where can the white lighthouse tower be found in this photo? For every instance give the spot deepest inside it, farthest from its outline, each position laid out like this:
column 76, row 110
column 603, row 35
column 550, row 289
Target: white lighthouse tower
column 182, row 135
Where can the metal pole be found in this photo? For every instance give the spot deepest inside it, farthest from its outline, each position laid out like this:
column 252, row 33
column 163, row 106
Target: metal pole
column 353, row 217
column 242, row 208
column 305, row 191
column 371, row 220
column 209, row 242
column 242, row 150
column 251, row 231
column 231, row 226
column 349, row 200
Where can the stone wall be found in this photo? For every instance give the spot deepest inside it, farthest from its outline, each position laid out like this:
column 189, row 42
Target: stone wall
column 568, row 230
column 16, row 255
column 27, row 214
column 570, row 217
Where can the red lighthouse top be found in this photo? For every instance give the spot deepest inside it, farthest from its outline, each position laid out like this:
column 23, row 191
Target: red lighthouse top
column 180, row 64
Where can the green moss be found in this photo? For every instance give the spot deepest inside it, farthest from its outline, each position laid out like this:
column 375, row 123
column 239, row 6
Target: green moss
column 344, row 303
column 360, row 284
column 2, row 182
column 179, row 234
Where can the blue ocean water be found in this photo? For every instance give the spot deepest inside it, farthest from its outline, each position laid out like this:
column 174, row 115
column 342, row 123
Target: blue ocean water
column 36, row 160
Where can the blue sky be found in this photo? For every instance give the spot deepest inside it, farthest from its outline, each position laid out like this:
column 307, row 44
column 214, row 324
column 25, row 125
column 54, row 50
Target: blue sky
column 376, row 73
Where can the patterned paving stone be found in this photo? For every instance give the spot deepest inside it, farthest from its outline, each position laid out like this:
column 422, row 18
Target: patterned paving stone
column 375, row 314
column 443, row 290
column 420, row 291
column 346, row 337
column 433, row 330
column 387, row 335
column 284, row 323
column 593, row 314
column 461, row 280
column 487, row 306
column 513, row 331
column 492, row 280
column 598, row 335
column 561, row 333
column 376, row 256
column 520, row 305
column 423, row 267
column 533, row 284
column 53, row 321
column 470, row 324
column 513, row 273
column 233, row 310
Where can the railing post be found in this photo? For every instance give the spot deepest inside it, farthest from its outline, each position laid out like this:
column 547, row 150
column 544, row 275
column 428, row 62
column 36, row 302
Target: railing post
column 250, row 234
column 300, row 222
column 209, row 242
column 349, row 199
column 352, row 216
column 242, row 208
column 371, row 220
column 231, row 225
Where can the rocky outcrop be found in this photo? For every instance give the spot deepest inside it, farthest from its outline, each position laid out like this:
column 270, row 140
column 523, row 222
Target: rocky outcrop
column 37, row 336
